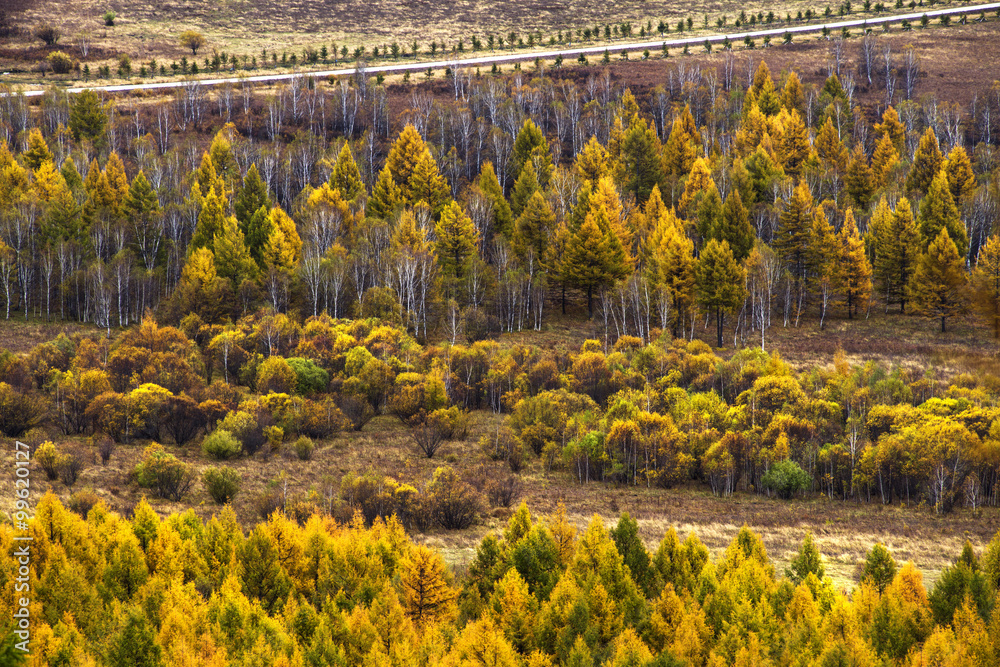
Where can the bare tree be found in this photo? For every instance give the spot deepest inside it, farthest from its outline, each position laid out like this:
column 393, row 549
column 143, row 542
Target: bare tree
column 911, row 69
column 867, row 63
column 890, row 74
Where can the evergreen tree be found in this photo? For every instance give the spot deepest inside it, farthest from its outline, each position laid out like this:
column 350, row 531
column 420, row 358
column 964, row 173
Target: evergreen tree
column 428, row 185
column 794, row 145
column 87, row 120
column 488, row 182
column 457, row 240
column 251, row 196
column 892, row 244
column 427, row 596
column 792, row 96
column 386, row 196
column 807, row 561
column 207, row 177
column 72, row 175
column 720, row 281
column 853, row 273
column 680, row 151
column 937, row 211
column 822, row 254
column 830, row 148
column 534, row 227
column 986, row 283
column 671, row 267
column 37, row 153
column 961, row 178
column 401, row 162
column 134, row 644
column 141, row 200
column 591, row 163
column 530, row 146
column 258, row 231
column 860, row 177
column 232, row 259
column 641, row 160
column 927, row 162
column 210, row 221
column 698, row 181
column 283, row 250
column 594, row 259
column 794, row 229
column 892, row 128
column 884, row 160
column 346, row 176
column 735, row 227
column 879, row 568
column 709, row 215
column 525, row 186
column 937, row 288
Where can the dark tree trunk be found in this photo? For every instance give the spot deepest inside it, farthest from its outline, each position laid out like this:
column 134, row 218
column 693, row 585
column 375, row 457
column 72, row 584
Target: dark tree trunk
column 718, row 324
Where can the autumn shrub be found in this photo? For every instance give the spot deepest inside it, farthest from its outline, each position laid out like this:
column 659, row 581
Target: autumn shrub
column 47, row 33
column 502, row 445
column 381, row 303
column 268, row 502
column 163, row 473
column 785, row 478
column 182, row 418
column 221, row 445
column 499, row 486
column 19, row 411
column 378, row 496
column 71, row 464
column 61, row 62
column 357, row 410
column 428, row 431
column 221, row 483
column 276, row 375
column 109, row 413
column 452, row 502
column 246, row 428
column 83, row 501
column 304, row 448
column 47, row 457
column 105, row 448
column 321, row 419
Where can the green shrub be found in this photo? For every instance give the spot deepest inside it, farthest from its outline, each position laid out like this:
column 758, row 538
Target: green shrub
column 162, row 472
column 109, row 18
column 221, row 483
column 309, row 378
column 221, row 445
column 785, row 478
column 304, row 448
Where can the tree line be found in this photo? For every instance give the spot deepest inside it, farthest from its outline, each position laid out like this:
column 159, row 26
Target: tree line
column 181, row 591
column 746, row 205
column 664, row 414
